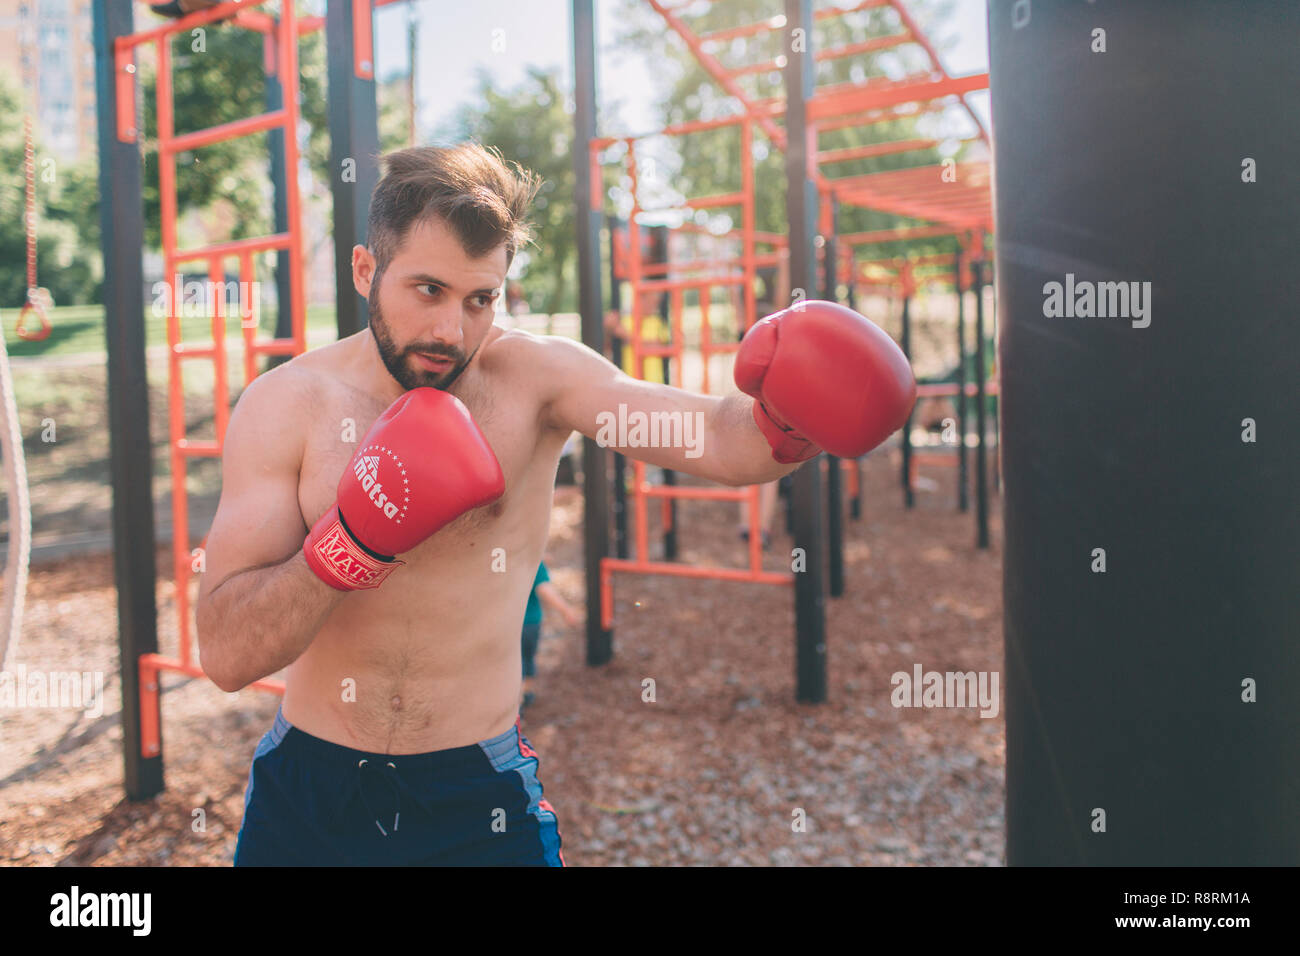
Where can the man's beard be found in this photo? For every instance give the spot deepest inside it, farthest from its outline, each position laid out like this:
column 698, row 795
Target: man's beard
column 399, row 361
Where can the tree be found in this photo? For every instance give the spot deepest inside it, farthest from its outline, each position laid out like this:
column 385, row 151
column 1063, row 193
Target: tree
column 708, row 162
column 232, row 174
column 67, row 198
column 532, row 126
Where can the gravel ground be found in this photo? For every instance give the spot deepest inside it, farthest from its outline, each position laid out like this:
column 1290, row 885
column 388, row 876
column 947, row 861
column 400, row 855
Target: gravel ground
column 723, row 768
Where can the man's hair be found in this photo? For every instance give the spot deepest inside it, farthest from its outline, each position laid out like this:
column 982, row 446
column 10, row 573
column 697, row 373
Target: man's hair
column 482, row 200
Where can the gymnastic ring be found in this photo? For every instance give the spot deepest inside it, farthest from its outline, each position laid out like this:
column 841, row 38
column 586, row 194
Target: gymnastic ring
column 39, row 335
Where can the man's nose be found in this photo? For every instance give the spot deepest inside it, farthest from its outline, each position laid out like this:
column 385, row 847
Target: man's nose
column 447, row 325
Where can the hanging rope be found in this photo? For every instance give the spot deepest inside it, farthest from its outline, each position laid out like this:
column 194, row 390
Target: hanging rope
column 20, row 513
column 34, row 307
column 11, row 436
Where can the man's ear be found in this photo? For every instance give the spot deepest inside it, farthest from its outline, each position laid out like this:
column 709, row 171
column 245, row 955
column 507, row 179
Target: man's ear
column 363, row 270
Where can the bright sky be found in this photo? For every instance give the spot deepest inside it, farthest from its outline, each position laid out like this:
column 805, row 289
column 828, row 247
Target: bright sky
column 457, row 39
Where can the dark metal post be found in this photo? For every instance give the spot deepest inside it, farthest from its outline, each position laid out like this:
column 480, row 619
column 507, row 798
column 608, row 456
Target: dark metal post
column 616, row 350
column 855, row 503
column 275, row 162
column 963, row 467
column 834, row 477
column 801, row 213
column 354, row 154
column 121, row 223
column 906, row 476
column 996, row 397
column 659, row 254
column 981, row 466
column 595, row 461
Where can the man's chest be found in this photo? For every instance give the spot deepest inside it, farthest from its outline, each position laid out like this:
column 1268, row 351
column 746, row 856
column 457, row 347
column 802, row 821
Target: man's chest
column 339, row 427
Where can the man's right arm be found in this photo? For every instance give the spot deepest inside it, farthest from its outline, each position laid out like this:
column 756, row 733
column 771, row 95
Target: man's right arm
column 260, row 605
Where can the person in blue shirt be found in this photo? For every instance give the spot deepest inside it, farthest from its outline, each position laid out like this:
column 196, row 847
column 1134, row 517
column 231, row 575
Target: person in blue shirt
column 543, row 593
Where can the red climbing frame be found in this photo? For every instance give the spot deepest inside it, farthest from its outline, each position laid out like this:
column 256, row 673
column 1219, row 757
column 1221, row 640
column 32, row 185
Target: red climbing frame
column 282, row 59
column 951, row 199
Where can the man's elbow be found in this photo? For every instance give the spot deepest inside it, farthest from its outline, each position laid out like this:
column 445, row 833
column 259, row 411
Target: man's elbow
column 211, row 661
column 736, row 473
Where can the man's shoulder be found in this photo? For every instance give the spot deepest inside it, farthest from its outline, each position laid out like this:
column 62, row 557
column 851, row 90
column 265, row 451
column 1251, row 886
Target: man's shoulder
column 520, row 352
column 290, row 385
column 276, row 406
column 524, row 346
column 303, row 379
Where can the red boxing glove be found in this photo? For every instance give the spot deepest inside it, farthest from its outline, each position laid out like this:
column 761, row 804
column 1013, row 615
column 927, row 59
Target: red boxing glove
column 422, row 464
column 824, row 378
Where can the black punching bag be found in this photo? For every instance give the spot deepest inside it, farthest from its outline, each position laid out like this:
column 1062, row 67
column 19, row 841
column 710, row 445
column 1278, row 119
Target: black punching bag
column 1147, row 158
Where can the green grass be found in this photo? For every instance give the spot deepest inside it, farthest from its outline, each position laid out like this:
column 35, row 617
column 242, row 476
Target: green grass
column 79, row 329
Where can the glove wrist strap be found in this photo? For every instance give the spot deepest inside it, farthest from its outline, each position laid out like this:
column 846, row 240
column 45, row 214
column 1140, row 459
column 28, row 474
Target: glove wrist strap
column 340, row 560
column 788, row 446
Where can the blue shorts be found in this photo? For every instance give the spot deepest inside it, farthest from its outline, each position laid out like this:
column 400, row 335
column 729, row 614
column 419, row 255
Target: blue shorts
column 314, row 803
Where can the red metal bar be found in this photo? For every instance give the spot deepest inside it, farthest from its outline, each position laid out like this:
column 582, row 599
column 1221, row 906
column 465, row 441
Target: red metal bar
column 124, row 71
column 894, row 235
column 875, row 44
column 363, row 47
column 180, row 450
column 872, row 117
column 669, row 285
column 186, row 351
column 151, row 666
column 694, row 492
column 695, row 571
column 219, row 134
column 236, row 247
column 849, row 97
column 744, row 30
column 222, row 11
column 699, row 265
column 874, row 149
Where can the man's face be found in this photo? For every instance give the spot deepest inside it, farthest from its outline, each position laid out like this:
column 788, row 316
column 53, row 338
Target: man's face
column 432, row 307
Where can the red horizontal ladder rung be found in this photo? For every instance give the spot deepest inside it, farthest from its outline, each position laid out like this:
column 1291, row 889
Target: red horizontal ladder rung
column 194, row 351
column 234, row 247
column 226, row 131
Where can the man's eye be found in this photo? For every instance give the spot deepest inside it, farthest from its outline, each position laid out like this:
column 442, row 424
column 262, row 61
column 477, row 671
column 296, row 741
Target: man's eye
column 483, row 301
column 429, row 289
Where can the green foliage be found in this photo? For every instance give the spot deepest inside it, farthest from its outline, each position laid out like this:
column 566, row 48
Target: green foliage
column 67, row 198
column 709, row 161
column 218, row 77
column 531, row 126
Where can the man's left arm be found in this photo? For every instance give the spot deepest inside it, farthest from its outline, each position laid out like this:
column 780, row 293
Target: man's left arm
column 817, row 376
column 703, row 435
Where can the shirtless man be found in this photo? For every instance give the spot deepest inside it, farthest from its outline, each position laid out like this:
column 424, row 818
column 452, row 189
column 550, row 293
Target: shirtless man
column 397, row 623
